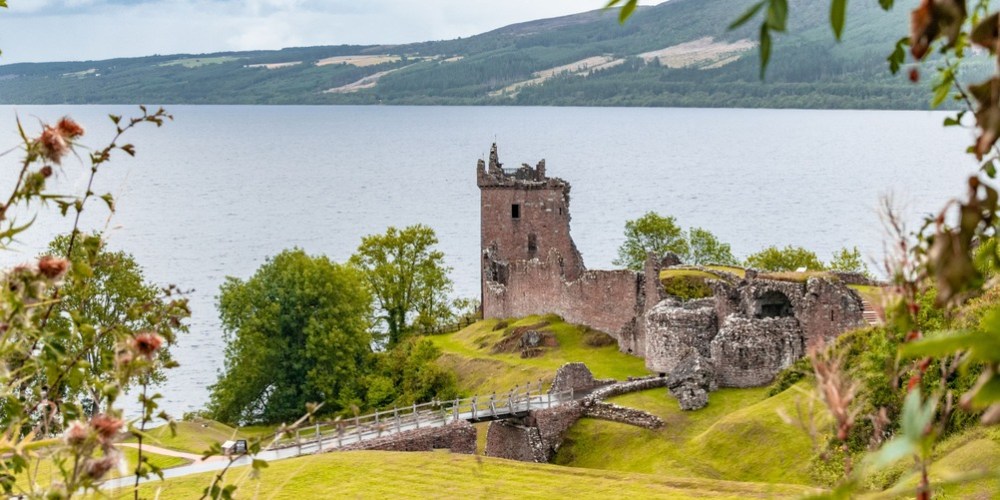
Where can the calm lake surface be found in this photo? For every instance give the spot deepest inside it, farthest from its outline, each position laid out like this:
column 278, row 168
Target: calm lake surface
column 219, row 189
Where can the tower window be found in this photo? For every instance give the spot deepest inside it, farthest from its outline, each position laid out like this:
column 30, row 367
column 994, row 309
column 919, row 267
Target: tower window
column 532, row 245
column 515, row 211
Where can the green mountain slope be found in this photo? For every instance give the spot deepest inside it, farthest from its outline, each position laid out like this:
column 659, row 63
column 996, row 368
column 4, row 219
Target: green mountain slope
column 678, row 53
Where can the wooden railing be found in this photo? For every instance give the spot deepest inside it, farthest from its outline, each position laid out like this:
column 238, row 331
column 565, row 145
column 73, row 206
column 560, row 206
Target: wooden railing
column 342, row 432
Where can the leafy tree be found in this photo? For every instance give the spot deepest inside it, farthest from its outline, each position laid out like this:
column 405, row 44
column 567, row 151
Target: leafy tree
column 705, row 248
column 785, row 259
column 849, row 261
column 407, row 374
column 297, row 332
column 650, row 233
column 407, row 279
column 110, row 290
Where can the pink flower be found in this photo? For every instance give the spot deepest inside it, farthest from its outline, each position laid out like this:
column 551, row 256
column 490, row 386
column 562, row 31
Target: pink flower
column 107, row 427
column 52, row 144
column 69, row 129
column 76, row 434
column 147, row 344
column 52, row 267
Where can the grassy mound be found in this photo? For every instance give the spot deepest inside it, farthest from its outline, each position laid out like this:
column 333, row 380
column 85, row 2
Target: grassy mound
column 371, row 474
column 959, row 464
column 738, row 436
column 469, row 353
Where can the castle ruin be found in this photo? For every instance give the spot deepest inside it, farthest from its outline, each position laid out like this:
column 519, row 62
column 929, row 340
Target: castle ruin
column 750, row 329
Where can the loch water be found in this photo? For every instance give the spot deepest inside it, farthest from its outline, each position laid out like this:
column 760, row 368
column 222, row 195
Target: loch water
column 220, row 188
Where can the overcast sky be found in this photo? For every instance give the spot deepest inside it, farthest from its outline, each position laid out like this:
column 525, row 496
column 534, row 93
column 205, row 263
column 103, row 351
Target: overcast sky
column 69, row 30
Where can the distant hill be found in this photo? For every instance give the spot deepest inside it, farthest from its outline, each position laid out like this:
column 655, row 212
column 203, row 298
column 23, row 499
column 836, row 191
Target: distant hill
column 678, row 53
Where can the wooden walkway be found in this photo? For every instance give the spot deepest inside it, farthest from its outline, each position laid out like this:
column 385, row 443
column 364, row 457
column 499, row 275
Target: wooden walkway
column 334, row 434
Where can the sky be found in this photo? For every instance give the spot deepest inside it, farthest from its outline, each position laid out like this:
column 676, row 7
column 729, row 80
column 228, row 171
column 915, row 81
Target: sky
column 71, row 30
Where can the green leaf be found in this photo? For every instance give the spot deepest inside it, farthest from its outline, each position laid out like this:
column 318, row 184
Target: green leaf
column 765, row 49
column 893, row 451
column 885, row 4
column 109, row 200
column 838, row 13
column 988, row 393
column 82, row 269
column 898, row 55
column 777, row 15
column 627, row 10
column 990, row 169
column 942, row 88
column 752, row 11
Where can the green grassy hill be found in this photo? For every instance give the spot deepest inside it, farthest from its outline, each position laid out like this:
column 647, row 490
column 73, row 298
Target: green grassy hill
column 678, row 53
column 480, row 371
column 370, row 474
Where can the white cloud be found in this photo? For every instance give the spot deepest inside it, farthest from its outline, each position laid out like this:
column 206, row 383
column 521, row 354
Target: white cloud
column 60, row 30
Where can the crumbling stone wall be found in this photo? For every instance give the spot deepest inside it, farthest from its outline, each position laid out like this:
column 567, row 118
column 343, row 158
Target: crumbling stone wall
column 605, row 300
column 614, row 413
column 676, row 329
column 576, row 376
column 459, row 437
column 514, row 441
column 749, row 352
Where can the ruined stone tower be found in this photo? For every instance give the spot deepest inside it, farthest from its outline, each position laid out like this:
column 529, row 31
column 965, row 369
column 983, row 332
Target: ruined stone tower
column 530, row 264
column 524, row 216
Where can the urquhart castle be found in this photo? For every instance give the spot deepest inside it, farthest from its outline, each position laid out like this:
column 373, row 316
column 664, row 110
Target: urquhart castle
column 750, row 328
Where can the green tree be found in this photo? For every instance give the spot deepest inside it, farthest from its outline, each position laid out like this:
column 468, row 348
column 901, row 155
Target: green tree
column 650, row 233
column 705, row 248
column 296, row 332
column 849, row 261
column 785, row 259
column 111, row 291
column 407, row 278
column 407, row 374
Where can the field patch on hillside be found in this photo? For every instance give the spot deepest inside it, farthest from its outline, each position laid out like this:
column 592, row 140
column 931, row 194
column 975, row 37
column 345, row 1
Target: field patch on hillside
column 275, row 65
column 360, row 60
column 197, row 62
column 582, row 67
column 705, row 53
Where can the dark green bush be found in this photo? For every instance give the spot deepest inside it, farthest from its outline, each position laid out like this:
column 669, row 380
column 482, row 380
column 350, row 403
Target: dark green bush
column 687, row 287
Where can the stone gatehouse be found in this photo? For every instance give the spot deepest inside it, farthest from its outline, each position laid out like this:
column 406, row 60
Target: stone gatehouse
column 750, row 329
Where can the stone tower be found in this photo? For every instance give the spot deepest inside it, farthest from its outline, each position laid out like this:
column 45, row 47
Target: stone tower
column 524, row 216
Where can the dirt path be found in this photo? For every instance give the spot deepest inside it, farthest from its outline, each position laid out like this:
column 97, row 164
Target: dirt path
column 194, row 457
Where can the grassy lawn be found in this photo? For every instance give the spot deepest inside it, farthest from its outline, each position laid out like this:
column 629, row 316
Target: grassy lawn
column 738, row 436
column 694, row 273
column 372, row 474
column 42, row 470
column 467, row 352
column 738, row 271
column 198, row 435
column 870, row 293
column 794, row 277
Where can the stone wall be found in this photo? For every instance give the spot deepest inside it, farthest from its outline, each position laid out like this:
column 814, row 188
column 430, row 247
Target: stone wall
column 459, row 437
column 634, row 385
column 576, row 376
column 605, row 300
column 614, row 413
column 514, row 441
column 676, row 329
column 749, row 352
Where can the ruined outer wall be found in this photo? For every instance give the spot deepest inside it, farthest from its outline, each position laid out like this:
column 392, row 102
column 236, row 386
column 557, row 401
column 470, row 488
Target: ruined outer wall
column 605, row 300
column 459, row 437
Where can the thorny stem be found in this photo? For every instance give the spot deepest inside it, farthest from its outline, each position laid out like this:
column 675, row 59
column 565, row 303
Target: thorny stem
column 142, row 431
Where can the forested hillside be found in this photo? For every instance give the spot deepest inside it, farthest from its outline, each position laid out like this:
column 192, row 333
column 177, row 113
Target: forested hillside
column 679, row 53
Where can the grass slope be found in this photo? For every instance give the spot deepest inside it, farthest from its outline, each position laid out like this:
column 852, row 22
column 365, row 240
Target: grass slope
column 738, row 436
column 371, row 474
column 198, row 435
column 479, row 371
